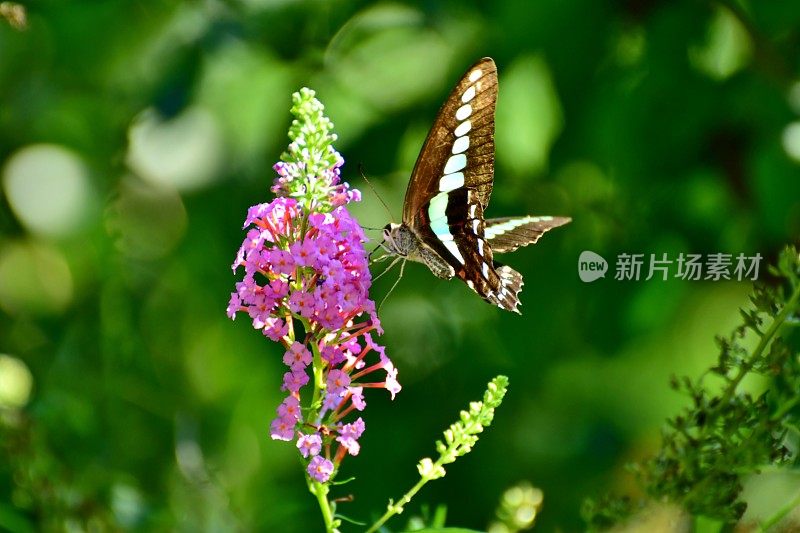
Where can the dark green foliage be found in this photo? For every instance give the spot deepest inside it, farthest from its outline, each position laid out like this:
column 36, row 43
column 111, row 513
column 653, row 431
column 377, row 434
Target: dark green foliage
column 46, row 495
column 727, row 433
column 605, row 512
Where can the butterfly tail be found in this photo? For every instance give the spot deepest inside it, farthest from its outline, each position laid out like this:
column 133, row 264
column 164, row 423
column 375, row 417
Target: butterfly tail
column 507, row 295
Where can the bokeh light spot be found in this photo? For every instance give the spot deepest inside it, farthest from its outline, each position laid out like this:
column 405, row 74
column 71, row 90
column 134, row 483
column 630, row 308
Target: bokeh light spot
column 47, row 188
column 34, row 279
column 630, row 46
column 727, row 48
column 791, row 140
column 529, row 116
column 184, row 153
column 16, row 382
column 127, row 504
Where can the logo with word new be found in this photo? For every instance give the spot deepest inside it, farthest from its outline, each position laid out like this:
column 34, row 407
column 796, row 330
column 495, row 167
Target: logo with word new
column 591, row 266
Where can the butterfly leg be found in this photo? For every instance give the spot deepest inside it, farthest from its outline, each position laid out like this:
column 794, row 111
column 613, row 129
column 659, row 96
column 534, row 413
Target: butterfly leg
column 385, row 256
column 387, row 269
column 402, row 269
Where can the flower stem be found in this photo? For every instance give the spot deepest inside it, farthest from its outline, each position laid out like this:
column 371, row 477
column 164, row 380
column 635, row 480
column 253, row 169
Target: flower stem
column 397, row 508
column 316, row 368
column 769, row 334
column 319, row 377
column 780, row 513
column 460, row 438
column 320, row 490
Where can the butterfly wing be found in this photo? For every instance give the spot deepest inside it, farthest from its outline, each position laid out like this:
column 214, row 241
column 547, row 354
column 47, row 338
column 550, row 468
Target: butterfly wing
column 509, row 233
column 451, row 185
column 459, row 149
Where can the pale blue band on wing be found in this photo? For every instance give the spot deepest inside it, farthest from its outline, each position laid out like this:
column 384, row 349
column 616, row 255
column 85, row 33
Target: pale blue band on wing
column 437, row 214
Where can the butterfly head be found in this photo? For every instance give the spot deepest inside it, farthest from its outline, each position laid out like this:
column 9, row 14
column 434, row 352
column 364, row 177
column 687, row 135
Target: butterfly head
column 399, row 240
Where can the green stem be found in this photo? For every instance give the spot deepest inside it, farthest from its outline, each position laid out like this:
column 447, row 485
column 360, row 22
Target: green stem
column 785, row 408
column 319, row 375
column 766, row 338
column 320, row 490
column 768, row 335
column 397, row 508
column 780, row 514
column 445, row 457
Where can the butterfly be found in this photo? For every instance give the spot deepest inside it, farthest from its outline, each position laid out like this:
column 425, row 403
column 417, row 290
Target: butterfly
column 443, row 222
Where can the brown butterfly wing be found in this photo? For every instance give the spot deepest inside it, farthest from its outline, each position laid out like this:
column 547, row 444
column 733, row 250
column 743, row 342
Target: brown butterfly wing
column 466, row 119
column 509, row 233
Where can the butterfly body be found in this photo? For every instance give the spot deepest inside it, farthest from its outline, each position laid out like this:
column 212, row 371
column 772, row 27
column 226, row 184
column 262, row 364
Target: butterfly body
column 401, row 241
column 443, row 224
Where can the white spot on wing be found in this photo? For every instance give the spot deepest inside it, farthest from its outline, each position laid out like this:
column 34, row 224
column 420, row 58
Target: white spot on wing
column 450, row 182
column 454, row 250
column 455, row 163
column 485, row 270
column 472, row 210
column 463, row 128
column 480, row 247
column 463, row 112
column 475, row 225
column 475, row 75
column 438, row 206
column 461, row 145
column 499, row 229
column 469, row 94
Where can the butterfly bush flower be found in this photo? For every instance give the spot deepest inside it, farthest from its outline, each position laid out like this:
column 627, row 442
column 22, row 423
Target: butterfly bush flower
column 310, row 170
column 306, row 286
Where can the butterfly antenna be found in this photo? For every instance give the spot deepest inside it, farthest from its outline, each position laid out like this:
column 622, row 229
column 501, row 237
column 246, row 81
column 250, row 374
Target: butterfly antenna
column 388, row 211
column 402, row 268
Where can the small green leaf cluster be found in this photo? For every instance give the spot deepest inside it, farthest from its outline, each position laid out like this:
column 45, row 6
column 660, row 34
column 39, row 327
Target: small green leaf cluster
column 459, row 440
column 311, row 131
column 309, row 169
column 461, row 436
column 726, row 433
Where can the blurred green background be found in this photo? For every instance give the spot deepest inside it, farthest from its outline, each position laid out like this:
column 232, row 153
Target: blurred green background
column 134, row 135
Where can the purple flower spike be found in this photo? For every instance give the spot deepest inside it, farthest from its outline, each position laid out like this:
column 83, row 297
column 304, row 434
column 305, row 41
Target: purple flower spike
column 349, row 435
column 309, row 445
column 282, row 429
column 297, row 357
column 305, row 264
column 320, row 468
